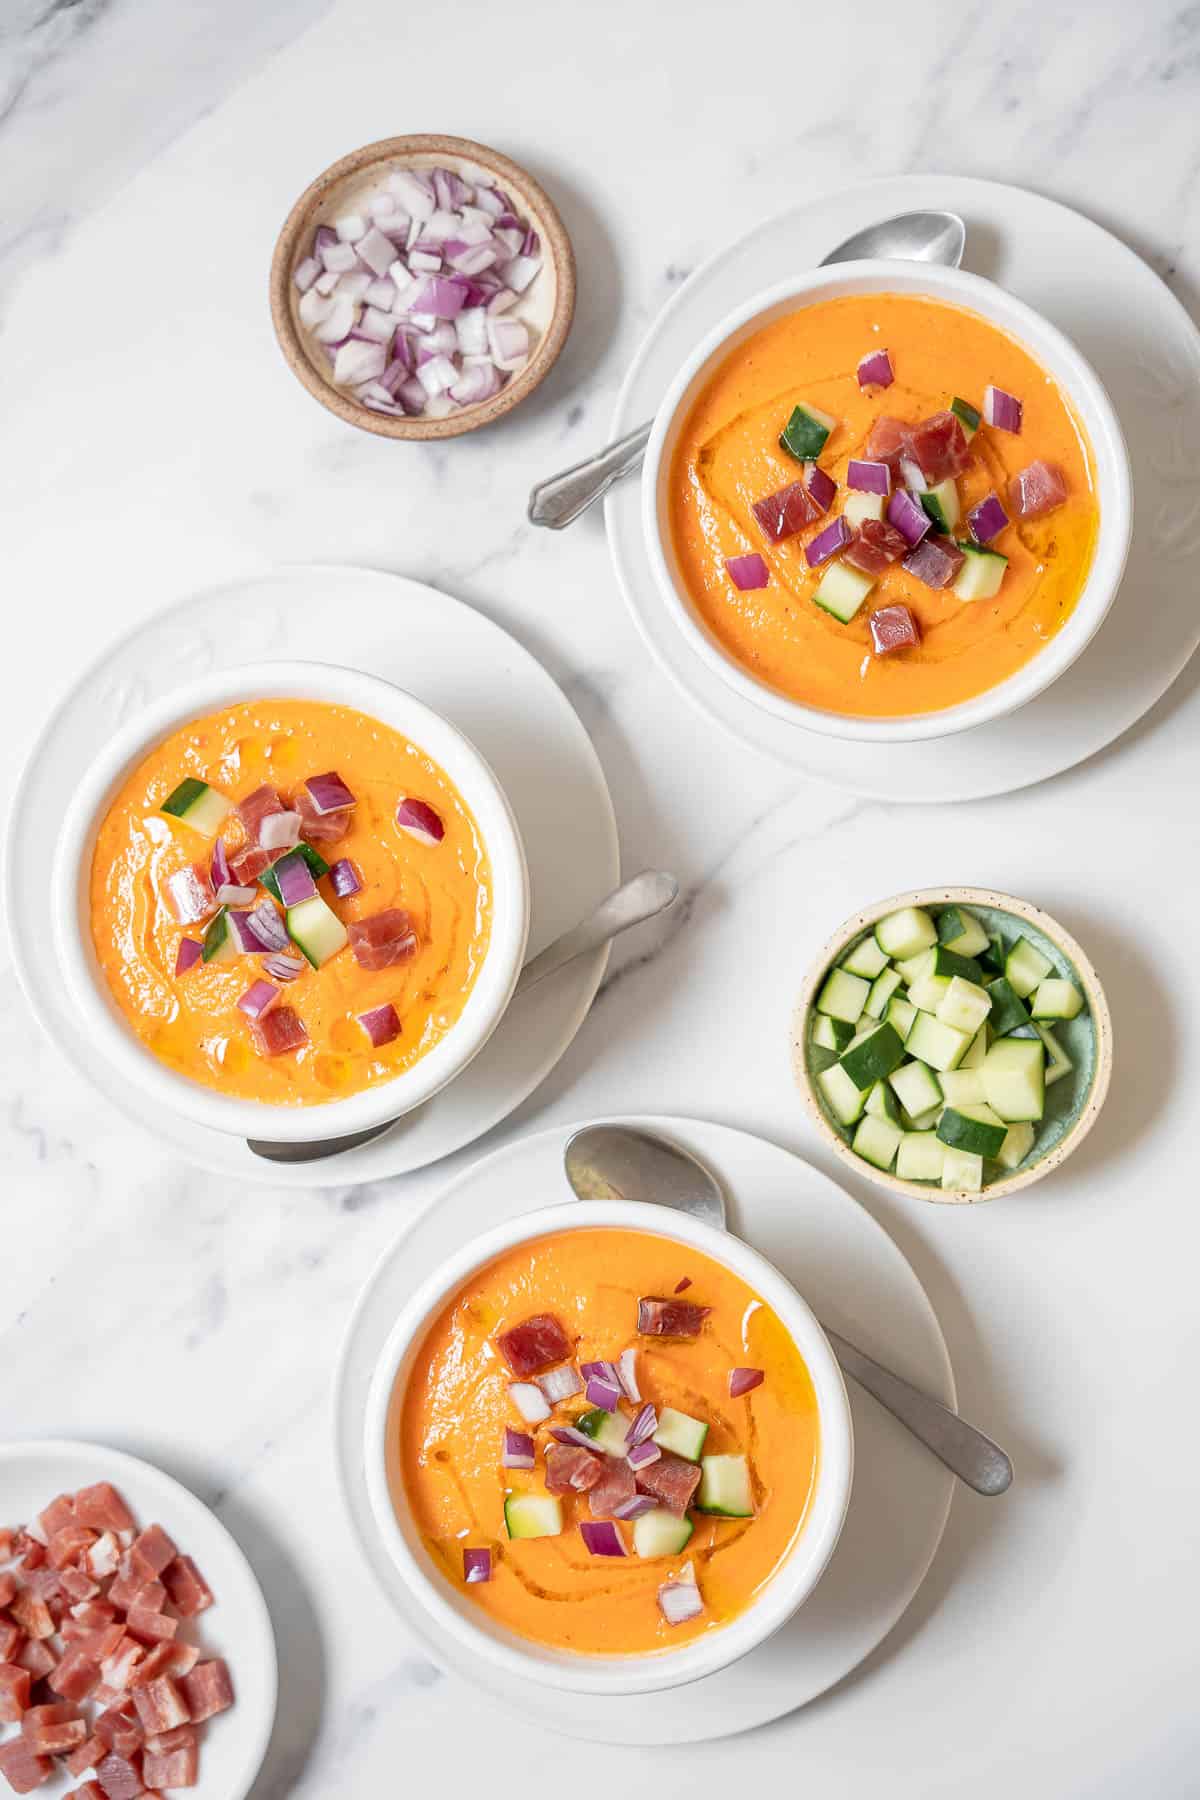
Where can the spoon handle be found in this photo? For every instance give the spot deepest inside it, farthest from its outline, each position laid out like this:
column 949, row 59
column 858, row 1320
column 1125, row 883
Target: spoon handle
column 965, row 1451
column 641, row 898
column 556, row 502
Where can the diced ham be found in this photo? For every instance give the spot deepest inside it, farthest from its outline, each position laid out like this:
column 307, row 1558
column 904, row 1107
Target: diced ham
column 89, row 1755
column 886, row 442
column 8, row 1587
column 22, row 1768
column 893, row 628
column 570, row 1469
column 320, row 828
column 1037, row 490
column 14, row 1692
column 8, row 1538
column 119, row 1779
column 91, row 1790
column 874, row 546
column 151, row 1598
column 32, row 1614
column 249, row 864
column 534, row 1345
column 36, row 1656
column 615, row 1486
column 177, row 1769
column 118, row 1669
column 126, row 1583
column 164, row 1742
column 939, row 447
column 120, row 1731
column 256, row 807
column 148, row 1626
column 160, row 1706
column 935, row 561
column 189, row 1593
column 189, row 895
column 174, row 1659
column 101, row 1507
column 151, row 1552
column 384, row 939
column 278, row 1032
column 78, row 1586
column 59, row 1513
column 103, row 1557
column 53, row 1730
column 77, row 1675
column 207, row 1690
column 10, row 1637
column 782, row 514
column 32, row 1552
column 67, row 1545
column 671, row 1481
column 670, row 1318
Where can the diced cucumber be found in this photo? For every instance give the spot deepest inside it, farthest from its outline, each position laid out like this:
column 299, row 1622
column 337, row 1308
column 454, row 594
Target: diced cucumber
column 661, row 1533
column 925, row 1121
column 679, row 1432
column 941, row 1046
column 842, row 590
column 316, row 864
column 866, row 958
column 993, row 958
column 901, row 1014
column 874, row 1057
column 942, row 504
column 219, row 944
column 1058, row 1063
column 961, row 931
column 725, row 1488
column 316, row 929
column 860, row 507
column 963, row 1087
column 882, row 989
column 607, row 1430
column 964, row 1005
column 1014, row 1079
column 962, row 1171
column 830, row 1034
column 976, row 1050
column 882, row 1103
column 973, row 1128
column 967, row 415
column 921, row 1156
column 1008, row 1009
column 1057, row 999
column 844, row 996
column 844, row 1100
column 944, row 961
column 534, row 1515
column 877, row 1141
column 806, row 432
column 905, row 933
column 981, row 574
column 916, row 1087
column 196, row 804
column 928, row 993
column 1018, row 1142
column 1027, row 1030
column 1025, row 966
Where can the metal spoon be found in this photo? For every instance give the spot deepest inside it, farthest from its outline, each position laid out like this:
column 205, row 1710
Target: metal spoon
column 612, row 1162
column 934, row 237
column 631, row 904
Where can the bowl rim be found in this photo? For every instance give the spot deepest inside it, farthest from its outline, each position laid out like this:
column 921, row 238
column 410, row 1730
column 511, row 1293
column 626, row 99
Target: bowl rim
column 330, row 684
column 413, row 147
column 640, row 1672
column 1036, row 334
column 1101, row 1017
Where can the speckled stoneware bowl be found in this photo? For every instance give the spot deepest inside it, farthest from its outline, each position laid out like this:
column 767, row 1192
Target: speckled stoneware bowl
column 551, row 301
column 1073, row 1103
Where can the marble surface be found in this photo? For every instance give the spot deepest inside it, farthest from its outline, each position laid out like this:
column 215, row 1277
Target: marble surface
column 153, row 441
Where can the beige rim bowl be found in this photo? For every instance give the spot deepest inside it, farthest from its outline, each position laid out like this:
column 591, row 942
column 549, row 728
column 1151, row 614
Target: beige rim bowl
column 324, row 199
column 1101, row 1028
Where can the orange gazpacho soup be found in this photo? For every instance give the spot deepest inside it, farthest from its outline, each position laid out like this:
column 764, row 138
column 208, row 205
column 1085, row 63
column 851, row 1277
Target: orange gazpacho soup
column 290, row 901
column 608, row 1440
column 885, row 623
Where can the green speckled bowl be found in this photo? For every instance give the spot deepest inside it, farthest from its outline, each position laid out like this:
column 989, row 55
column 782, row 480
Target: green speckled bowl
column 1072, row 1104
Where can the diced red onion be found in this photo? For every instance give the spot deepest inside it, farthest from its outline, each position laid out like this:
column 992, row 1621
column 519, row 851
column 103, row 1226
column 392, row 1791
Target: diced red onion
column 419, row 820
column 376, row 250
column 503, row 300
column 306, row 273
column 295, row 879
column 380, row 293
column 508, row 340
column 679, row 1601
column 258, row 999
column 636, row 1506
column 477, row 1565
column 643, row 1425
column 355, row 285
column 529, row 1401
column 344, row 878
column 268, row 927
column 1002, row 410
column 520, row 272
column 329, row 793
column 517, row 1449
column 742, row 1380
column 425, row 262
column 987, row 520
column 231, row 894
column 600, row 1371
column 381, row 1024
column 747, row 572
column 627, row 1371
column 414, row 192
column 569, row 1434
column 327, row 281
column 282, row 967
column 601, row 1537
column 357, row 362
column 350, row 227
column 820, row 485
column 218, row 868
column 908, row 516
column 279, row 831
column 437, row 375
column 242, row 927
column 560, row 1384
column 376, row 326
column 868, row 477
column 478, row 382
column 188, row 955
column 470, row 329
column 827, row 543
column 913, row 476
column 875, row 369
column 640, row 1456
column 935, row 562
column 604, row 1394
column 338, row 258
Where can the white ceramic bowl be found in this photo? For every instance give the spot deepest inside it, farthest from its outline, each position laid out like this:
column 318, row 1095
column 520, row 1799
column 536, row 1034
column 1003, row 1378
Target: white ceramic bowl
column 453, row 1608
column 1078, row 381
column 101, row 1020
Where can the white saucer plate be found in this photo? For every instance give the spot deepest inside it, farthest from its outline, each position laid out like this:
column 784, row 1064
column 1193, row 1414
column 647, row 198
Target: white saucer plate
column 1147, row 352
column 236, row 1627
column 856, row 1279
column 457, row 661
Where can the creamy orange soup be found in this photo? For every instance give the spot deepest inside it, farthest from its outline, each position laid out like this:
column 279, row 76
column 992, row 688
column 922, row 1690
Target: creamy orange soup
column 729, row 456
column 457, row 1405
column 191, row 1021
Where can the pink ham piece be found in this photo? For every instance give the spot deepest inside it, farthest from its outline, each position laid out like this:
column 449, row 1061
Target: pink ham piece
column 148, row 1626
column 253, row 810
column 570, row 1469
column 87, row 1755
column 670, row 1318
column 119, row 1779
column 207, row 1690
column 120, row 1732
column 250, row 864
column 935, row 561
column 420, row 821
column 36, row 1656
column 534, row 1345
column 160, row 1706
column 186, row 1587
column 77, row 1674
column 8, row 1587
column 68, row 1544
column 671, row 1480
column 782, row 514
column 57, row 1516
column 162, row 1743
column 616, row 1487
column 118, row 1669
column 32, row 1614
column 876, row 545
column 8, row 1538
column 382, row 940
column 189, row 895
column 886, row 442
column 91, row 1790
column 127, row 1583
column 176, row 1769
column 173, row 1659
column 22, row 1768
column 893, row 628
column 53, row 1730
column 278, row 1032
column 10, row 1638
column 77, row 1586
column 151, row 1553
column 14, row 1693
column 1036, row 490
column 150, row 1597
column 318, row 827
column 939, row 447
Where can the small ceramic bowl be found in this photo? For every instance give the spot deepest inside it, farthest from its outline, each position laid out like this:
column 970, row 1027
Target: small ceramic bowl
column 453, row 1608
column 548, row 308
column 1056, row 354
column 1090, row 1045
column 99, row 1018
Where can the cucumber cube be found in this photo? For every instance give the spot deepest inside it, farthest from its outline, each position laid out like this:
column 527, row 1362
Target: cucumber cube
column 941, row 503
column 976, row 1050
column 962, row 1172
column 725, row 1488
column 1025, row 966
column 974, row 1128
column 905, row 933
column 963, row 1087
column 914, row 968
column 830, row 1034
column 948, row 962
column 1058, row 1063
column 901, row 1014
column 1018, row 1142
column 928, row 993
column 661, row 1533
column 961, row 931
column 860, row 507
column 844, row 1100
column 926, row 1121
column 533, row 1515
column 1008, row 1009
column 866, row 958
column 842, row 590
column 981, row 574
column 882, row 1103
column 806, row 432
column 964, row 1005
column 877, row 1141
column 921, row 1156
column 196, row 804
column 1014, row 1079
column 606, row 1429
column 968, row 416
column 680, row 1433
column 1057, row 999
column 219, row 944
column 917, row 1088
column 882, row 989
column 940, row 1045
column 874, row 1057
column 317, row 866
column 844, row 996
column 316, row 929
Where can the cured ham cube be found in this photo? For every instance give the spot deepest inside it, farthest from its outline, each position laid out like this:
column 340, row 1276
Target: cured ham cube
column 151, row 1553
column 160, row 1706
column 150, row 1598
column 1037, row 490
column 102, row 1508
column 32, row 1614
column 207, row 1690
column 256, row 807
column 189, row 1593
column 77, row 1675
column 886, row 442
column 53, row 1730
column 875, row 545
column 173, row 1659
column 78, row 1586
column 570, row 1469
column 118, row 1669
column 8, row 1538
column 8, row 1587
column 10, row 1637
column 127, row 1583
column 59, row 1513
column 671, row 1480
column 148, row 1626
column 178, row 1739
column 534, row 1345
column 278, row 1032
column 320, row 828
column 89, row 1755
column 91, row 1790
column 68, row 1545
column 36, row 1656
column 14, row 1693
column 120, row 1731
column 104, row 1557
column 251, row 863
column 939, row 447
column 175, row 1769
column 782, row 514
column 22, row 1768
column 615, row 1487
column 119, row 1779
column 670, row 1318
column 382, row 940
column 935, row 561
column 189, row 895
column 893, row 628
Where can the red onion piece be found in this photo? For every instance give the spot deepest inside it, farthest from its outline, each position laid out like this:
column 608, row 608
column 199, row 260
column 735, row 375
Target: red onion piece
column 295, row 879
column 600, row 1371
column 868, row 477
column 643, row 1425
column 560, row 1384
column 601, row 1537
column 741, row 1381
column 640, row 1456
column 219, row 866
column 987, row 520
column 636, row 1506
column 567, row 1434
column 820, row 485
column 188, row 955
column 283, row 968
column 679, row 1601
column 875, row 369
column 893, row 628
column 516, row 1452
column 381, row 1024
column 357, row 362
column 344, row 878
column 627, row 1371
column 529, row 1401
column 248, row 941
column 1002, row 410
column 477, row 1565
column 747, row 572
column 230, row 894
column 329, row 793
column 258, row 999
column 268, row 927
column 604, row 1394
column 908, row 516
column 306, row 273
column 420, row 821
column 827, row 543
column 279, row 831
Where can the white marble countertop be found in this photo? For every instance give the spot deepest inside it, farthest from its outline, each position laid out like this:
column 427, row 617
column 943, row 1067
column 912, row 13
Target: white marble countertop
column 154, row 442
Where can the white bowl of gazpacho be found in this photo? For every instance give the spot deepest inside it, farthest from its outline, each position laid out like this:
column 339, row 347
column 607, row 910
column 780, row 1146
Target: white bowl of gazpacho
column 292, row 902
column 886, row 501
column 608, row 1448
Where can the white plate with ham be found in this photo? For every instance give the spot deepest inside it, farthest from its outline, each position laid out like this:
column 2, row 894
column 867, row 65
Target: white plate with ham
column 136, row 1651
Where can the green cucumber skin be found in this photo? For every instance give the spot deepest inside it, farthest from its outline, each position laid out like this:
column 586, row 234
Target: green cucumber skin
column 317, row 865
column 875, row 1057
column 949, row 962
column 178, row 803
column 803, row 436
column 1008, row 1009
column 961, row 1132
